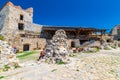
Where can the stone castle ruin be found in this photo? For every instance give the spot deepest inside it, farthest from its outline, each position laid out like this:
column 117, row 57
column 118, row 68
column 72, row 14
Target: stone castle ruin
column 19, row 31
column 18, row 28
column 76, row 35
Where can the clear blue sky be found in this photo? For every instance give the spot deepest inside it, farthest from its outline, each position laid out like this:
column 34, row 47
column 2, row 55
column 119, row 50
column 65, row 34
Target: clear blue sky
column 90, row 13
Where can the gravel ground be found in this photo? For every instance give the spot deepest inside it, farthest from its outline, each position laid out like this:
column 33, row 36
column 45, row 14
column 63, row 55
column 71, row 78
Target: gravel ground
column 103, row 65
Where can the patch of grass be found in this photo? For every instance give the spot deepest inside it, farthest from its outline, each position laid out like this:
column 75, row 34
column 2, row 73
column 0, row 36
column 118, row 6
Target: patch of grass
column 96, row 50
column 72, row 55
column 24, row 54
column 29, row 55
column 19, row 52
column 115, row 73
column 77, row 70
column 6, row 68
column 53, row 70
column 112, row 71
column 88, row 52
column 106, row 48
column 1, row 77
column 113, row 47
column 2, row 38
column 16, row 66
column 60, row 62
column 78, row 47
column 21, row 78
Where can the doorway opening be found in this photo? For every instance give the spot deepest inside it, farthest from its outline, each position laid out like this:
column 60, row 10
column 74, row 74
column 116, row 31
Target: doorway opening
column 72, row 44
column 26, row 47
column 83, row 41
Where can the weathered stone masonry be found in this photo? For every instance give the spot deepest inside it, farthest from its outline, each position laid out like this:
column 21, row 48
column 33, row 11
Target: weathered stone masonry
column 18, row 28
column 16, row 25
column 116, row 32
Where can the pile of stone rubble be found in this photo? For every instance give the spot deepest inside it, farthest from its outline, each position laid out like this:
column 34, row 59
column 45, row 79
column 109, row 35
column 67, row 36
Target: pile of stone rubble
column 58, row 49
column 7, row 56
column 94, row 46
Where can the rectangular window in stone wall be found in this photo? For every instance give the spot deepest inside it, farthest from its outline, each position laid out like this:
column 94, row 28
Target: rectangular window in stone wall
column 21, row 17
column 20, row 26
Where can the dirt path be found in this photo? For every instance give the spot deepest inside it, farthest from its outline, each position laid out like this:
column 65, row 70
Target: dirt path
column 103, row 65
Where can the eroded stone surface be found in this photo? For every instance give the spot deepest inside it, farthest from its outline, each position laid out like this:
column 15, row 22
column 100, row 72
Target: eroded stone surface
column 16, row 35
column 59, row 46
column 116, row 32
column 7, row 56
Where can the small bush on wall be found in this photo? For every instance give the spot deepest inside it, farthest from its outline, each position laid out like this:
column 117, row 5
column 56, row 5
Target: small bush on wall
column 2, row 37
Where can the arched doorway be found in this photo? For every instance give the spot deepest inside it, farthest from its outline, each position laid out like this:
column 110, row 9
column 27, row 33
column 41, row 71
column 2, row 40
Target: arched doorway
column 26, row 47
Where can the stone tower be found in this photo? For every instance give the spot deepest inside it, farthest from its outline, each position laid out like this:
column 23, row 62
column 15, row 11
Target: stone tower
column 16, row 25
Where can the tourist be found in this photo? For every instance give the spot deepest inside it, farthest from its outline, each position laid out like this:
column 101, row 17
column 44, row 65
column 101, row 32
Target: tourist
column 42, row 54
column 15, row 50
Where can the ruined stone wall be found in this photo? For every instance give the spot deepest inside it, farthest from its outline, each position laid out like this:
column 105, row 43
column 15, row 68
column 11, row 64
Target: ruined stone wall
column 4, row 19
column 32, row 27
column 76, row 43
column 34, row 43
column 7, row 56
column 10, row 18
column 115, row 32
column 13, row 17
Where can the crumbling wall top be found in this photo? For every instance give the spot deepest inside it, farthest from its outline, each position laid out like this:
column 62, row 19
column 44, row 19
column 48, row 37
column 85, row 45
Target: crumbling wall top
column 29, row 10
column 9, row 4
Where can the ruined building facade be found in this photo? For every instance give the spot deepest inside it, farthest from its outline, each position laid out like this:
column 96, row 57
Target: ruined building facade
column 76, row 35
column 116, row 32
column 19, row 30
column 17, row 26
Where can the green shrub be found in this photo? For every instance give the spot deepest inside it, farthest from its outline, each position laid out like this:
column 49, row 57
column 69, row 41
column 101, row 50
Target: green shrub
column 1, row 77
column 24, row 54
column 96, row 50
column 53, row 70
column 16, row 66
column 2, row 38
column 6, row 68
column 77, row 70
column 60, row 62
column 106, row 48
column 113, row 47
column 72, row 55
column 19, row 52
column 78, row 47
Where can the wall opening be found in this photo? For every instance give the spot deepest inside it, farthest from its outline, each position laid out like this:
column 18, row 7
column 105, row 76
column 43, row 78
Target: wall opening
column 118, row 39
column 26, row 47
column 21, row 17
column 108, row 40
column 72, row 44
column 20, row 26
column 83, row 41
